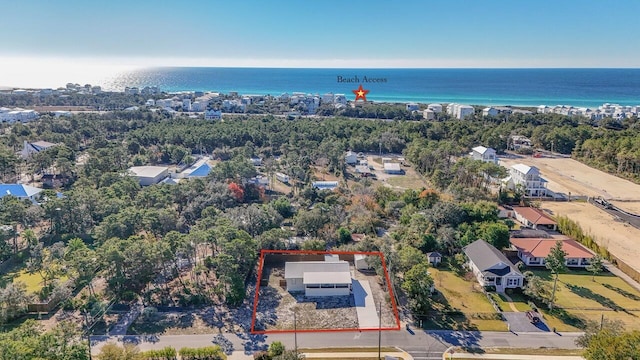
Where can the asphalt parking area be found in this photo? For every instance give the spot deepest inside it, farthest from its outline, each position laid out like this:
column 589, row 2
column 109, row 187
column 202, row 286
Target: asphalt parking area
column 519, row 322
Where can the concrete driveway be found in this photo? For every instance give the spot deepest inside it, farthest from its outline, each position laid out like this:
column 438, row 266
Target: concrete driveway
column 519, row 322
column 365, row 306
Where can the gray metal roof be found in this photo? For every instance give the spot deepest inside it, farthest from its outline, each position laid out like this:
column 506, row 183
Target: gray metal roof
column 485, row 256
column 147, row 171
column 296, row 270
column 327, row 278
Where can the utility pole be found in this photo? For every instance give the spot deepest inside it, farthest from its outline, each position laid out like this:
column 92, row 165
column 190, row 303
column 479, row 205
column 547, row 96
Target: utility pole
column 379, row 327
column 295, row 332
column 601, row 321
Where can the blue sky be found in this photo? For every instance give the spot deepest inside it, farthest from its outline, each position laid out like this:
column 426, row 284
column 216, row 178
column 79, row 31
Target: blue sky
column 411, row 33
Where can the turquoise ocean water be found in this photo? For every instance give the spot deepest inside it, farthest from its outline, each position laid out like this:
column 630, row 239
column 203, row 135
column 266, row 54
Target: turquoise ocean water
column 578, row 87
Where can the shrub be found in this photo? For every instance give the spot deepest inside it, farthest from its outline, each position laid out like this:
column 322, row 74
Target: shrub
column 204, row 353
column 276, row 348
column 509, row 291
column 262, row 355
column 167, row 353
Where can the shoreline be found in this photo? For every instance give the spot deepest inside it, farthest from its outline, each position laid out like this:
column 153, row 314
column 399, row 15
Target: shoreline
column 402, row 101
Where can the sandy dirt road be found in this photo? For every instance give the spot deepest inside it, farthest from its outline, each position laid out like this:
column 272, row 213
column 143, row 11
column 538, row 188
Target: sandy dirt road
column 570, row 176
column 621, row 239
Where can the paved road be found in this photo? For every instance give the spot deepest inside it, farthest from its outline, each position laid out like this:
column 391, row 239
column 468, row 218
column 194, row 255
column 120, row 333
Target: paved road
column 421, row 344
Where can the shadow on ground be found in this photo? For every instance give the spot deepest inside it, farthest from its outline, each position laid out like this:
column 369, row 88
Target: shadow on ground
column 602, row 300
column 466, row 339
column 622, row 292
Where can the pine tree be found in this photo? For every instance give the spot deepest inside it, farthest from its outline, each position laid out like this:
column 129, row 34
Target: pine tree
column 556, row 262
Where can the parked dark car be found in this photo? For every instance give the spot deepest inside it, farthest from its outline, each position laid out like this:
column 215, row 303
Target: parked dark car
column 533, row 317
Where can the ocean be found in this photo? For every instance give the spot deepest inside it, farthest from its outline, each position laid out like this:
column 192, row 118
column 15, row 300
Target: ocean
column 524, row 87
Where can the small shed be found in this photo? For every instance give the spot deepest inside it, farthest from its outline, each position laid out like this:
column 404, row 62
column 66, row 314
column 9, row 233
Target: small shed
column 351, row 158
column 331, row 257
column 435, row 258
column 360, row 262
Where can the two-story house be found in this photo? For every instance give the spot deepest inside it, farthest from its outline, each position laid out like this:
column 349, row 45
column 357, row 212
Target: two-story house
column 484, row 154
column 527, row 177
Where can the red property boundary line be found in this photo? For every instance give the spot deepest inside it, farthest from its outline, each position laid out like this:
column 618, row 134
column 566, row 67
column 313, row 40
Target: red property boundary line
column 310, row 252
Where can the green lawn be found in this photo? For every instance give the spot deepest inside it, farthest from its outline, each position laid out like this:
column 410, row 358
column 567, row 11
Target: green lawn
column 519, row 302
column 32, row 281
column 408, row 181
column 584, row 299
column 458, row 294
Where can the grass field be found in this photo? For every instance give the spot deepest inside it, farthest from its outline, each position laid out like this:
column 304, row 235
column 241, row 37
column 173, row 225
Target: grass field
column 584, row 299
column 519, row 302
column 32, row 281
column 407, row 181
column 465, row 296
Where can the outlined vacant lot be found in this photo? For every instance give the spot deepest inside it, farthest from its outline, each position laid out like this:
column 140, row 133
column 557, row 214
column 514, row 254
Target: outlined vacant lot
column 566, row 176
column 618, row 237
column 274, row 306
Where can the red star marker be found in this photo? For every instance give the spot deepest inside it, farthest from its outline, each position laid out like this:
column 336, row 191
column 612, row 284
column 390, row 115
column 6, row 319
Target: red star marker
column 361, row 93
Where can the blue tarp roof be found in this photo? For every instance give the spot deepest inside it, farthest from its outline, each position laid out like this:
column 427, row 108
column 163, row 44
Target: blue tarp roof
column 202, row 170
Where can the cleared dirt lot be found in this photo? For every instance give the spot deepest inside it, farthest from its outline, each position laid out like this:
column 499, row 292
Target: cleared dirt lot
column 568, row 175
column 409, row 180
column 621, row 239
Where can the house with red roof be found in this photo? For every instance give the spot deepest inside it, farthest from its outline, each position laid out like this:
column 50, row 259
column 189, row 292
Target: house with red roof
column 534, row 218
column 533, row 251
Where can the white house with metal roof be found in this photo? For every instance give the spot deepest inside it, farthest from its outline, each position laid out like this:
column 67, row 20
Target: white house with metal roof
column 149, row 175
column 30, row 148
column 491, row 267
column 318, row 278
column 484, row 154
column 529, row 178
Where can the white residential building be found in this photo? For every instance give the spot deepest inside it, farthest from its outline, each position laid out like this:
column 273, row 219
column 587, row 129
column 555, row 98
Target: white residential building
column 491, row 267
column 351, row 158
column 164, row 103
column 459, row 111
column 412, row 107
column 213, row 115
column 489, row 111
column 30, row 148
column 186, row 104
column 199, row 106
column 528, row 177
column 484, row 154
column 436, row 108
column 428, row 114
column 17, row 114
column 149, row 175
column 327, row 98
column 464, row 111
column 318, row 278
column 340, row 99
